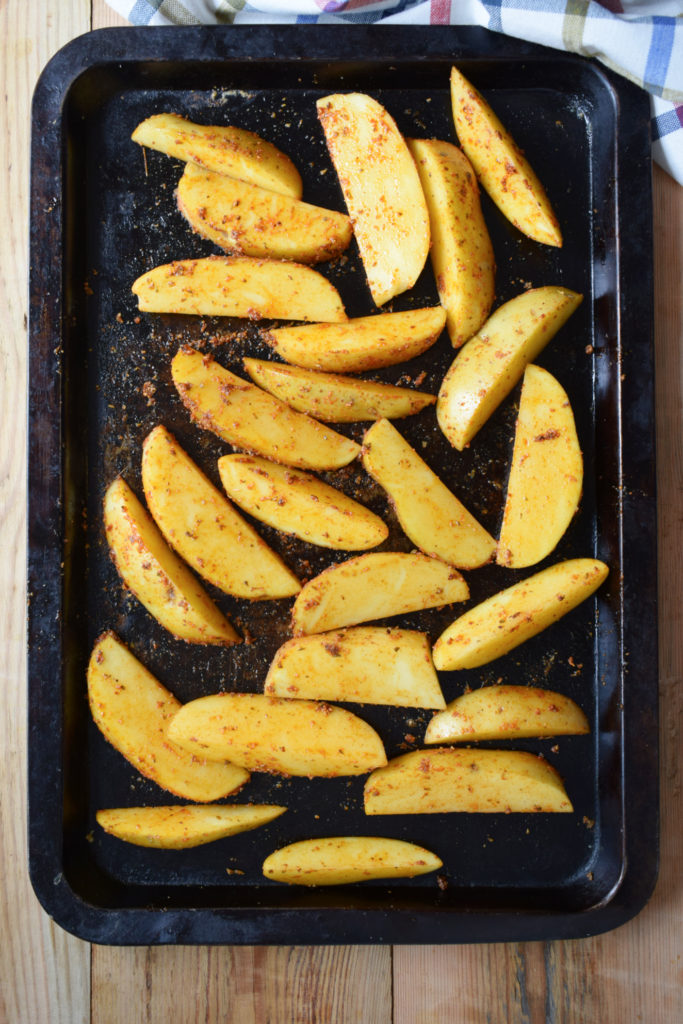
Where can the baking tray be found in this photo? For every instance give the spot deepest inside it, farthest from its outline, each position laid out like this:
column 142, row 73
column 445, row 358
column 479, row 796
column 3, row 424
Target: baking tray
column 100, row 215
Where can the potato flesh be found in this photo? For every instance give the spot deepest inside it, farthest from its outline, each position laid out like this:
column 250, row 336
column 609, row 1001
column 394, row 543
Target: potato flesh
column 367, row 664
column 268, row 734
column 429, row 513
column 333, row 398
column 546, row 473
column 381, row 189
column 296, row 502
column 375, row 586
column 205, row 529
column 364, row 343
column 489, row 365
column 461, row 253
column 500, row 165
column 342, row 860
column 132, row 710
column 506, row 712
column 224, row 149
column 180, row 828
column 449, row 779
column 507, row 619
column 240, row 286
column 156, row 576
column 254, row 221
column 249, row 418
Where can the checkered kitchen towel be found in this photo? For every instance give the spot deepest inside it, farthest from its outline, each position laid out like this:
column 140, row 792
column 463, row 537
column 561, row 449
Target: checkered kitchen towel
column 641, row 39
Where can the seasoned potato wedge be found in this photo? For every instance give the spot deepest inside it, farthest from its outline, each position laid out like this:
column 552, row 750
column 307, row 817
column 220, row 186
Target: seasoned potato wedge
column 546, row 473
column 375, row 586
column 249, row 418
column 205, row 529
column 364, row 664
column 180, row 828
column 132, row 709
column 298, row 503
column 223, row 149
column 487, row 368
column 507, row 619
column 506, row 713
column 254, row 221
column 268, row 734
column 429, row 513
column 342, row 860
column 241, row 286
column 500, row 164
column 333, row 398
column 157, row 577
column 446, row 779
column 461, row 254
column 382, row 191
column 365, row 343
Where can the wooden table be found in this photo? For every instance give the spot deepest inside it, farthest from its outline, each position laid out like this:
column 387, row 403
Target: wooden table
column 633, row 974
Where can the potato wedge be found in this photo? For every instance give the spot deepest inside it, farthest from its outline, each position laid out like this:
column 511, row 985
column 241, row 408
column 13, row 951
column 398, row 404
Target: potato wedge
column 223, row 149
column 487, row 368
column 180, row 828
column 429, row 513
column 375, row 586
column 249, row 418
column 342, row 860
column 255, row 221
column 205, row 529
column 365, row 343
column 500, row 164
column 364, row 664
column 269, row 734
column 546, row 473
column 506, row 713
column 507, row 619
column 158, row 578
column 461, row 253
column 446, row 779
column 132, row 710
column 239, row 286
column 382, row 191
column 298, row 503
column 333, row 398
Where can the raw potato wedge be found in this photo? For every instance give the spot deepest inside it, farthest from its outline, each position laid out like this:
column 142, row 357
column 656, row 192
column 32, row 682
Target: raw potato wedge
column 447, row 779
column 506, row 713
column 500, row 164
column 461, row 254
column 333, row 398
column 180, row 828
column 375, row 586
column 268, row 734
column 364, row 664
column 365, row 343
column 429, row 513
column 156, row 576
column 487, row 368
column 239, row 286
column 254, row 221
column 546, row 473
column 342, row 860
column 132, row 709
column 298, row 503
column 382, row 191
column 205, row 529
column 507, row 619
column 249, row 418
column 223, row 149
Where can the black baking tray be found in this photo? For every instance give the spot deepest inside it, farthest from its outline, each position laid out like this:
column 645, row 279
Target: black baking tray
column 100, row 215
